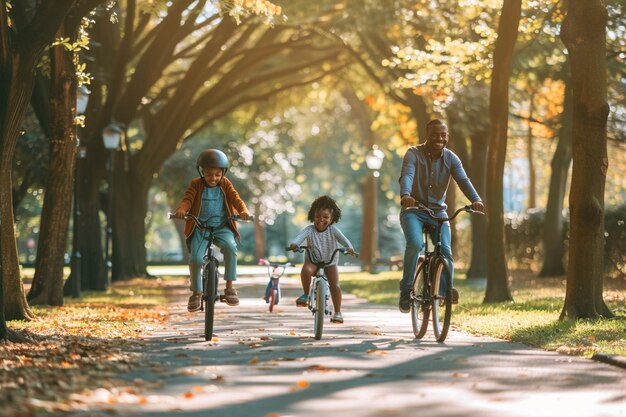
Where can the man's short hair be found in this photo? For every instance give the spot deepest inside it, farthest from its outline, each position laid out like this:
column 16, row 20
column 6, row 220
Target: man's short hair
column 434, row 122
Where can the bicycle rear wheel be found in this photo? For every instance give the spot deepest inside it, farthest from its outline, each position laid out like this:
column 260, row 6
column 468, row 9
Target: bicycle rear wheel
column 210, row 293
column 273, row 298
column 420, row 308
column 320, row 307
column 441, row 296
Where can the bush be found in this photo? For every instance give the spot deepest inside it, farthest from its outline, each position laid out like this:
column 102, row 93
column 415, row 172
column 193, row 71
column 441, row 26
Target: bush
column 524, row 239
column 615, row 241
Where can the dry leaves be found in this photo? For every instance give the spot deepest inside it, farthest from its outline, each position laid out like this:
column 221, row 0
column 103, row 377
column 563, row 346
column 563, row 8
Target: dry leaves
column 79, row 349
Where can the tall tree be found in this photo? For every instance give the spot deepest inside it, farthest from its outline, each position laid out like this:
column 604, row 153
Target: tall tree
column 497, row 271
column 47, row 285
column 584, row 34
column 23, row 37
column 554, row 223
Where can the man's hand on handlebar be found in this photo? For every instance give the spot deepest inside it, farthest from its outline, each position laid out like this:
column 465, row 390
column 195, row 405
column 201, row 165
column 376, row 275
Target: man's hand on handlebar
column 245, row 216
column 351, row 251
column 407, row 201
column 293, row 247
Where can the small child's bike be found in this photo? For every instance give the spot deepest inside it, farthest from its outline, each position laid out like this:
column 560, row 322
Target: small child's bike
column 274, row 272
column 319, row 291
column 210, row 273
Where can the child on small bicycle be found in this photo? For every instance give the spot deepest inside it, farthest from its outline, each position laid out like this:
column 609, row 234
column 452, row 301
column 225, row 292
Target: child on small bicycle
column 321, row 239
column 212, row 198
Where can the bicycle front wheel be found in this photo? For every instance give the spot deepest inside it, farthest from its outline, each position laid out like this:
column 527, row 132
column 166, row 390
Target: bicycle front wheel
column 441, row 295
column 210, row 293
column 320, row 309
column 420, row 307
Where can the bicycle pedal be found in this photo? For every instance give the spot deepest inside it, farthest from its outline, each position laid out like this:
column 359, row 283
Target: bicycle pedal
column 222, row 298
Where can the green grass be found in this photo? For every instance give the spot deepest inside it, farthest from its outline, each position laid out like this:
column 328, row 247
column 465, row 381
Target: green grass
column 533, row 318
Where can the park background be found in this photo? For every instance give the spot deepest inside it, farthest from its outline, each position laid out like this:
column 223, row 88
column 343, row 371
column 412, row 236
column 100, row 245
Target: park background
column 301, row 96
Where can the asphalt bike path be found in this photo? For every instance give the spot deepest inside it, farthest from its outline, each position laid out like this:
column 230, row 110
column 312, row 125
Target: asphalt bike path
column 268, row 365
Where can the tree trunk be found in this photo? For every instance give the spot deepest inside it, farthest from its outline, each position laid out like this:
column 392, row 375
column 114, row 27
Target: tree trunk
column 259, row 233
column 93, row 271
column 584, row 34
column 478, row 172
column 3, row 323
column 451, row 203
column 367, row 234
column 497, row 272
column 130, row 206
column 532, row 178
column 553, row 224
column 47, row 286
column 16, row 89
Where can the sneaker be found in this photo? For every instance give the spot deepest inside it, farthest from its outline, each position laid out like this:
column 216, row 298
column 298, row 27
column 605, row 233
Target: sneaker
column 302, row 301
column 337, row 318
column 405, row 301
column 195, row 302
column 455, row 296
column 230, row 294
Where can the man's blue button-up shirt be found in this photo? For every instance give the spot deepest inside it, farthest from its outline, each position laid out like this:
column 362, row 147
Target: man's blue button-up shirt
column 427, row 180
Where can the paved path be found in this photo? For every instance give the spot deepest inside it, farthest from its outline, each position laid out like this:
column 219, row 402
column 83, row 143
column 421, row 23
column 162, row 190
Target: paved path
column 268, row 364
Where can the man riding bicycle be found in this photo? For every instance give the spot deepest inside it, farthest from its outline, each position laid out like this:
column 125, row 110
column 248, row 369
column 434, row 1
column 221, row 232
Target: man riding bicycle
column 424, row 179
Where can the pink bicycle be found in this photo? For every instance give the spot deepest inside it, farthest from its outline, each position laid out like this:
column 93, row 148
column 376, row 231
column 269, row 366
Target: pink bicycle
column 275, row 270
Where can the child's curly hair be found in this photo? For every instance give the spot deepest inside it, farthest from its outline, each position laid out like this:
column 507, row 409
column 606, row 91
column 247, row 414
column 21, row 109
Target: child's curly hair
column 325, row 202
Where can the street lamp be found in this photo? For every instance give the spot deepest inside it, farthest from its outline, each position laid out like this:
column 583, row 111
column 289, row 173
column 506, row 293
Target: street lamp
column 111, row 136
column 82, row 98
column 369, row 248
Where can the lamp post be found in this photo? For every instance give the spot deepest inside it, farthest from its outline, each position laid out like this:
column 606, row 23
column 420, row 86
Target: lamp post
column 111, row 136
column 374, row 161
column 82, row 98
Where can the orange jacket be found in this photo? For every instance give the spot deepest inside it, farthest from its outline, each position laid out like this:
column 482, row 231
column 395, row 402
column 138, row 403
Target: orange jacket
column 193, row 199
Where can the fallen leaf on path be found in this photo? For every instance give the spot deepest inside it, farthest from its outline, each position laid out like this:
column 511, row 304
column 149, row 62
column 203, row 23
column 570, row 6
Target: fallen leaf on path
column 320, row 369
column 254, row 360
column 188, row 395
column 376, row 352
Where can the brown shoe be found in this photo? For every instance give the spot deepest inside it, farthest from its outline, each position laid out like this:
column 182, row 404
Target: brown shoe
column 455, row 296
column 230, row 294
column 195, row 302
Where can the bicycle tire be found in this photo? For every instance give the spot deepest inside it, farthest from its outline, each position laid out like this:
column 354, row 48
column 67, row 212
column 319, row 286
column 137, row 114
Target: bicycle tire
column 320, row 309
column 441, row 305
column 420, row 307
column 273, row 298
column 210, row 293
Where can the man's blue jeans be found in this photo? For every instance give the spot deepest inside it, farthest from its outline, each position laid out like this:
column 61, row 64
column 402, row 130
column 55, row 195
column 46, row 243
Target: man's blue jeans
column 412, row 222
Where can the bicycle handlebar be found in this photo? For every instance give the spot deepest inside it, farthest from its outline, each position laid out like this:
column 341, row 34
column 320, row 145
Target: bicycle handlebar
column 300, row 249
column 266, row 262
column 234, row 218
column 431, row 213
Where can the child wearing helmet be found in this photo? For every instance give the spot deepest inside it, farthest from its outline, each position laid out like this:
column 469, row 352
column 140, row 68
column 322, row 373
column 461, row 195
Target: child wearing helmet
column 212, row 198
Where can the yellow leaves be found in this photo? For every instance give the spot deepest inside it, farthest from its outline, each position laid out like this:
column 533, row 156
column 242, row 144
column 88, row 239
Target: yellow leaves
column 237, row 9
column 376, row 352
